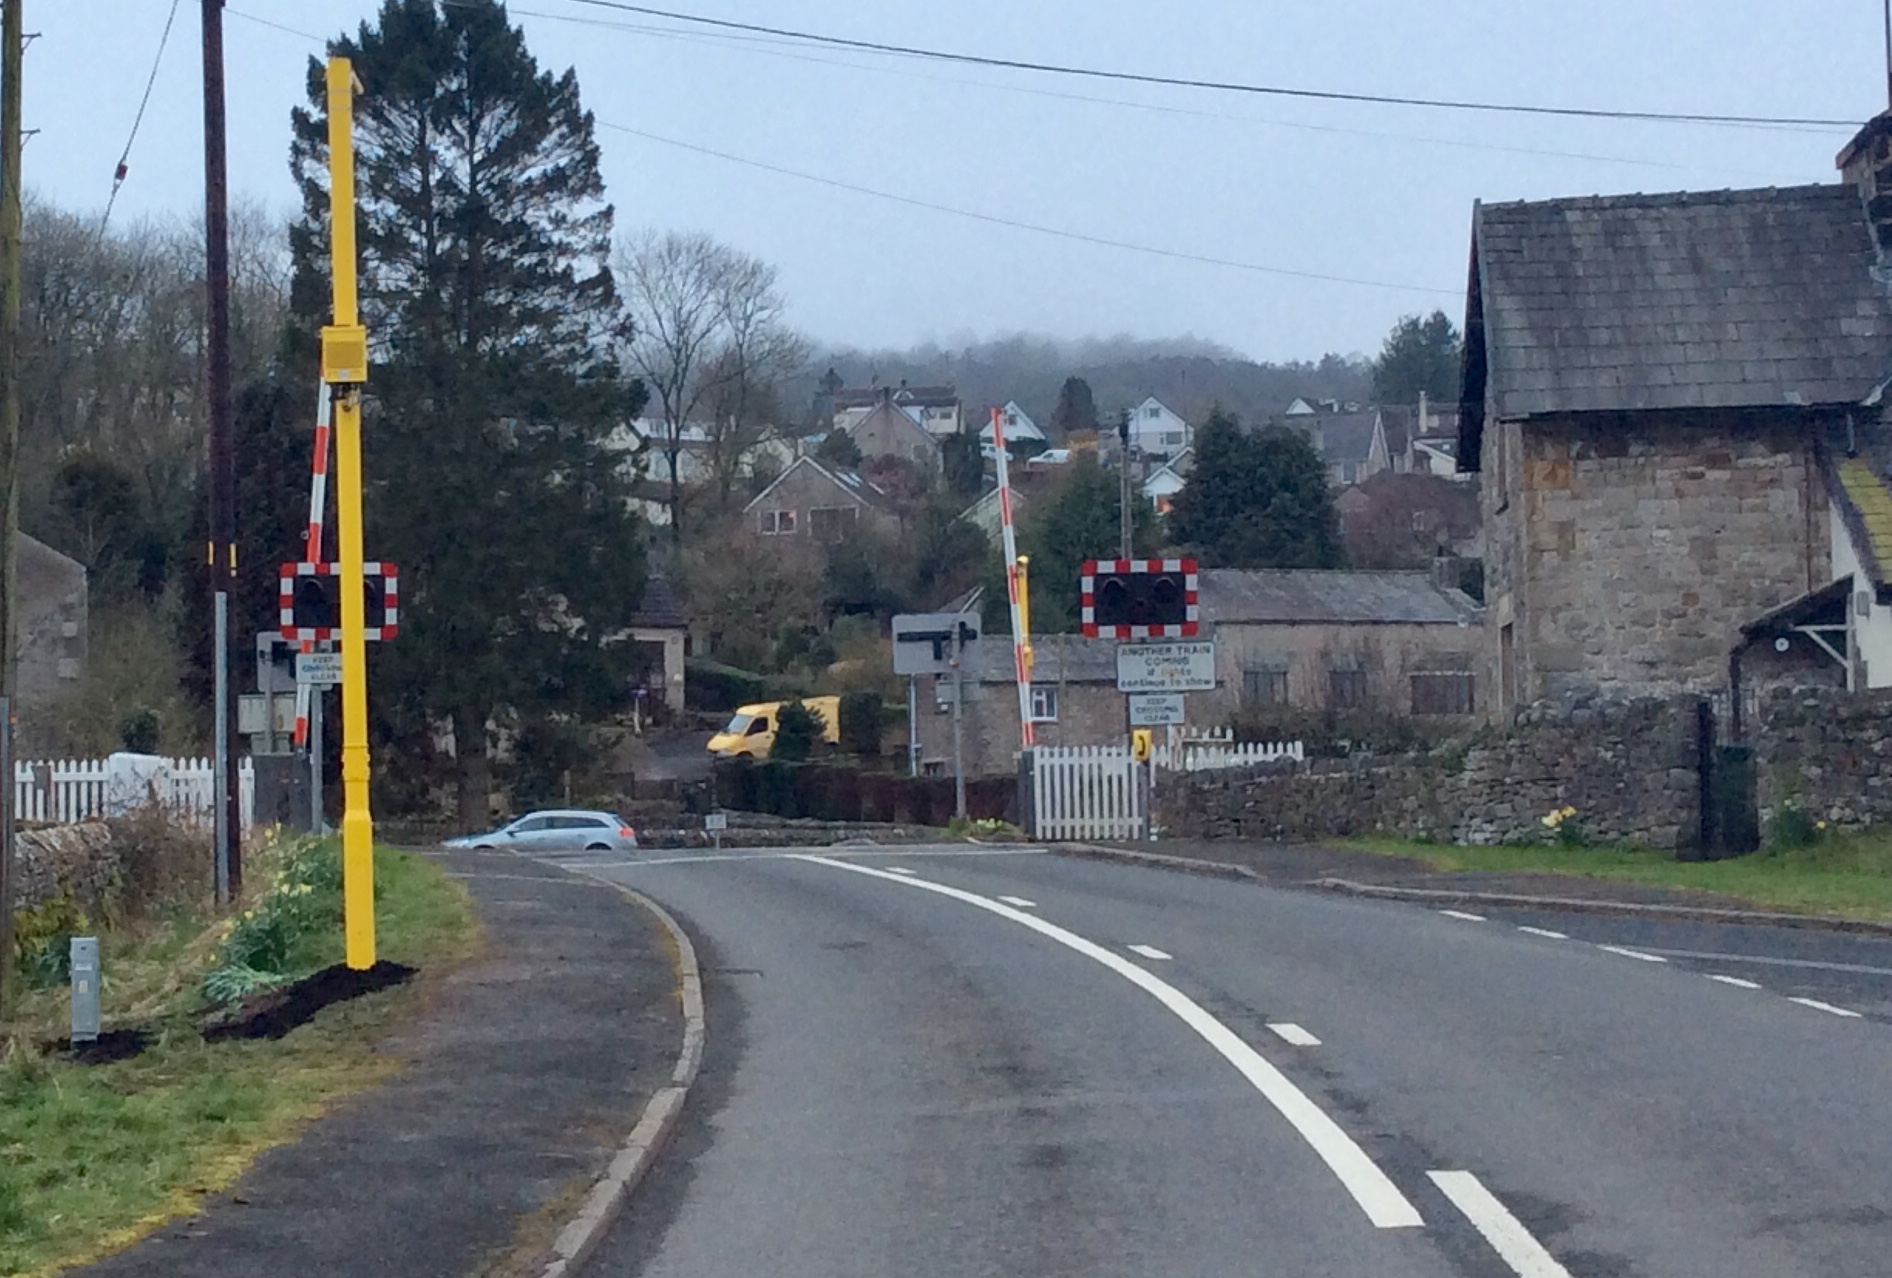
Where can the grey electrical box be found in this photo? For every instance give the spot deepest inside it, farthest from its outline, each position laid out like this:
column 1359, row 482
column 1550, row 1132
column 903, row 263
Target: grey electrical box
column 85, row 989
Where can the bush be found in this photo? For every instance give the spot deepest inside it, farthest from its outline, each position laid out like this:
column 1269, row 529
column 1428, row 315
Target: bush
column 163, row 863
column 42, row 941
column 273, row 941
column 861, row 722
column 139, row 730
column 797, row 729
column 709, row 685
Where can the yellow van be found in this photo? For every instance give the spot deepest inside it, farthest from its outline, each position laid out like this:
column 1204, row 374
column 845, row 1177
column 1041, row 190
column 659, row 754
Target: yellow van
column 752, row 731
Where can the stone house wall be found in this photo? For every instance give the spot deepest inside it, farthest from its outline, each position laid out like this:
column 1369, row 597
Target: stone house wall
column 1089, row 714
column 1632, row 771
column 1388, row 654
column 803, row 490
column 1624, row 554
column 52, row 623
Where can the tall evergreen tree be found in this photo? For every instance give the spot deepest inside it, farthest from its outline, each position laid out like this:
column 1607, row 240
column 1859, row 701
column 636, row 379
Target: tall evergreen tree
column 1256, row 500
column 1081, row 520
column 1076, row 410
column 1419, row 355
column 488, row 295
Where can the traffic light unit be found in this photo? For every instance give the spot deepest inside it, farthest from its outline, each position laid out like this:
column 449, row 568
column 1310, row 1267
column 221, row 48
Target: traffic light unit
column 311, row 607
column 1139, row 598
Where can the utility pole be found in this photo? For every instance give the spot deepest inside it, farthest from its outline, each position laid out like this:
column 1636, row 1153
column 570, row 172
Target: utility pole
column 1123, row 466
column 12, row 42
column 222, row 548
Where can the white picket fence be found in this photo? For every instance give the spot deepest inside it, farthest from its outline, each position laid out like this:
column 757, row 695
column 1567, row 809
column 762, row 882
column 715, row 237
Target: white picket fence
column 63, row 791
column 1087, row 792
column 1218, row 748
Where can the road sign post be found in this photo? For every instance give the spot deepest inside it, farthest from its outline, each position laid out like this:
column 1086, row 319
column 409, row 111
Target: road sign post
column 937, row 644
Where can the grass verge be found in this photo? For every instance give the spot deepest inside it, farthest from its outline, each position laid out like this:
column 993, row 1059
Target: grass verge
column 92, row 1157
column 1845, row 875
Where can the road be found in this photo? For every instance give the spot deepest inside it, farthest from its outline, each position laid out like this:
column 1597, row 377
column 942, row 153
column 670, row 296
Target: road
column 953, row 1061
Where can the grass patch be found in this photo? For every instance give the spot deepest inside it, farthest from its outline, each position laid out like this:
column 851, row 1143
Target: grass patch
column 1846, row 875
column 93, row 1157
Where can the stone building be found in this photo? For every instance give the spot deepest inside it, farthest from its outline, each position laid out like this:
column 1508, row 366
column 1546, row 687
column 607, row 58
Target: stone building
column 52, row 622
column 1650, row 384
column 808, row 501
column 890, row 431
column 1075, row 702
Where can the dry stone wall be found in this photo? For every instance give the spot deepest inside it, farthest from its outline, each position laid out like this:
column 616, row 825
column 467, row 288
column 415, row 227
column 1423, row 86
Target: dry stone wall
column 1827, row 752
column 1630, row 769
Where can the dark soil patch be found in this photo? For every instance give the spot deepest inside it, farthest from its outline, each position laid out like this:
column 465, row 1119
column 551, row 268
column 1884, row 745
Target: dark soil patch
column 274, row 1013
column 112, row 1045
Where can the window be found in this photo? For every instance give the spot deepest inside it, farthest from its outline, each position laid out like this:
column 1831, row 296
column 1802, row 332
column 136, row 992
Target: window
column 1153, row 413
column 758, row 726
column 1422, row 521
column 776, row 523
column 830, row 523
column 1264, row 687
column 1346, row 689
column 1173, row 438
column 1442, row 694
column 1044, row 703
column 531, row 825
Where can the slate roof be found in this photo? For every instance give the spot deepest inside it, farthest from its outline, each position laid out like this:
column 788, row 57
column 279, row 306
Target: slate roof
column 923, row 396
column 1055, row 659
column 1302, row 596
column 850, row 482
column 661, row 608
column 1688, row 300
column 1344, row 437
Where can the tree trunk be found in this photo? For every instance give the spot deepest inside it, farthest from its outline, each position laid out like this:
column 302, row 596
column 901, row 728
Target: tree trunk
column 476, row 774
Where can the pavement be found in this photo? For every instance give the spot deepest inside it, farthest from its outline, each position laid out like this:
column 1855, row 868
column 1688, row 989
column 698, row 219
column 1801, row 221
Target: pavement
column 953, row 1061
column 526, row 1069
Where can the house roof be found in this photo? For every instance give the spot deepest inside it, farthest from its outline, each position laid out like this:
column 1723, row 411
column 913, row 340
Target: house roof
column 1343, row 437
column 887, row 412
column 661, row 608
column 1055, row 659
column 861, row 490
column 1825, row 605
column 1299, row 596
column 1726, row 299
column 923, row 396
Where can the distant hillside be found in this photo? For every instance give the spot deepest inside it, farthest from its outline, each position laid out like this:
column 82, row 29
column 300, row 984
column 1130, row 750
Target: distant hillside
column 1189, row 375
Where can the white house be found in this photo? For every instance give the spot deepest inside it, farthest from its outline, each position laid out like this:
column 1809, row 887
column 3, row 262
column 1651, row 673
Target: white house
column 1019, row 427
column 1166, row 481
column 1155, row 431
column 936, row 408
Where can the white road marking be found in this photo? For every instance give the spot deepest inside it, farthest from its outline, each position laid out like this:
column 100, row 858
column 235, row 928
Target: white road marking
column 710, row 858
column 1818, row 1006
column 1384, row 1205
column 1735, row 981
column 1147, row 951
column 1545, row 932
column 1769, row 960
column 1635, row 954
column 1460, row 914
column 1294, row 1034
column 900, row 869
column 1506, row 1234
column 1020, row 902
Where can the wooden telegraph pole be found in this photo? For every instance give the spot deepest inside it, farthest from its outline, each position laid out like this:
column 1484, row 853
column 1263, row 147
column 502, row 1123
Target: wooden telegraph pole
column 12, row 42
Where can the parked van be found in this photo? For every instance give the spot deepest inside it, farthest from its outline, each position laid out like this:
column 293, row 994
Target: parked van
column 752, row 731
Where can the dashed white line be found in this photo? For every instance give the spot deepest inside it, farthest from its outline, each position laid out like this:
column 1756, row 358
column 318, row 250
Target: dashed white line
column 1147, row 951
column 1635, row 954
column 1020, row 902
column 1544, row 932
column 1818, row 1006
column 1294, row 1034
column 1506, row 1234
column 1385, row 1206
column 1460, row 914
column 1735, row 981
column 900, row 869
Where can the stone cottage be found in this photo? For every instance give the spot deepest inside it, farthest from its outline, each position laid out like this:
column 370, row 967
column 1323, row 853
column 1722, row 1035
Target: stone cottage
column 888, row 430
column 810, row 501
column 1650, row 385
column 1074, row 701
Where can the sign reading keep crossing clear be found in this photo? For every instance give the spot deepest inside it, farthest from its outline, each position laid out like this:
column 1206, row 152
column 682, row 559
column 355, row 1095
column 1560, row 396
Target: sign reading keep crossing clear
column 320, row 668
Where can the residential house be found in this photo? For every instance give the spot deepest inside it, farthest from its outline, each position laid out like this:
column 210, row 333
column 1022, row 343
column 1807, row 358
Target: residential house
column 1406, row 521
column 936, row 408
column 52, row 620
column 1391, row 643
column 662, row 623
column 1156, row 432
column 1021, row 432
column 889, row 431
column 1074, row 701
column 810, row 500
column 1351, row 441
column 1652, row 387
column 984, row 513
column 1167, row 480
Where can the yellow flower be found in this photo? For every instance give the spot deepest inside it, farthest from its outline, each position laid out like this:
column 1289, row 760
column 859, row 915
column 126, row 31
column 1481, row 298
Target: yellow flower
column 1819, row 825
column 1570, row 812
column 249, row 914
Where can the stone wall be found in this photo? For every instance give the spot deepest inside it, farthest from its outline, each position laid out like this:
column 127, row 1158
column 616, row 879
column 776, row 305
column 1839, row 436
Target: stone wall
column 1625, row 555
column 1630, row 769
column 78, row 862
column 1826, row 751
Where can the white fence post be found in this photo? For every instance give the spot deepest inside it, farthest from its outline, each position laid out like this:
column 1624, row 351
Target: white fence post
column 64, row 791
column 1086, row 792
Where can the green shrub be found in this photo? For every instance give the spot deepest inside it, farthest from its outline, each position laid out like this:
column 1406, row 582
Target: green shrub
column 797, row 729
column 42, row 941
column 861, row 722
column 710, row 685
column 138, row 730
column 275, row 938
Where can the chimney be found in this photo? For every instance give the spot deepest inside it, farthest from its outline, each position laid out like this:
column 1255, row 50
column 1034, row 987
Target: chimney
column 1866, row 164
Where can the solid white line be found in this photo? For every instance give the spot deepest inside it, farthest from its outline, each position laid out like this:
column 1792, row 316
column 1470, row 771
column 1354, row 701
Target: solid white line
column 1460, row 914
column 1506, row 1234
column 1020, row 902
column 900, row 869
column 1635, row 954
column 1294, row 1034
column 1735, row 981
column 1545, row 932
column 1818, row 1006
column 709, row 858
column 1384, row 1205
column 1147, row 951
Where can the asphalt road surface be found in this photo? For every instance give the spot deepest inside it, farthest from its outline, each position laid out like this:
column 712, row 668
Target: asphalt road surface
column 946, row 1062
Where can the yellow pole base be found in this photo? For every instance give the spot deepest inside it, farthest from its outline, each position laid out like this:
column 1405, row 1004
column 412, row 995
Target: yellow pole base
column 358, row 886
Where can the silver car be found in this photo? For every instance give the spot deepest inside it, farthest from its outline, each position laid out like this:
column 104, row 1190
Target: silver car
column 559, row 830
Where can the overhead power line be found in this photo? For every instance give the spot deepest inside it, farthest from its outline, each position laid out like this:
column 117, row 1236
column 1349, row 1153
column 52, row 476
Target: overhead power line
column 1037, row 228
column 1220, row 86
column 123, row 169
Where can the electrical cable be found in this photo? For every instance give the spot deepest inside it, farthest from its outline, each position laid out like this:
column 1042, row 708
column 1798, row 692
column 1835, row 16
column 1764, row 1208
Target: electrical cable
column 123, row 170
column 265, row 22
column 1015, row 224
column 1221, row 86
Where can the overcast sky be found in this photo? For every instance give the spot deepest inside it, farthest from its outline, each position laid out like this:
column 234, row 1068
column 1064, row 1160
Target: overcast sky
column 1370, row 193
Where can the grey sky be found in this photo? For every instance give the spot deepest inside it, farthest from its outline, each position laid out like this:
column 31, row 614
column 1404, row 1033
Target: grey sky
column 1373, row 193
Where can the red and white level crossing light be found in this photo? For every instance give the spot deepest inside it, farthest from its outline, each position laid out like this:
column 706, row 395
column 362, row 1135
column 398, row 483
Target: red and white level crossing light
column 1139, row 598
column 311, row 606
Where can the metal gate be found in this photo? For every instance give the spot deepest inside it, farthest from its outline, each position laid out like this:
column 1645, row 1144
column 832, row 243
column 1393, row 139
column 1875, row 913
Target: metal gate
column 1087, row 792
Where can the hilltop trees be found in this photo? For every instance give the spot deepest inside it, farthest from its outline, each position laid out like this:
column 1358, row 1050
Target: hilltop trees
column 1419, row 355
column 1256, row 500
column 487, row 289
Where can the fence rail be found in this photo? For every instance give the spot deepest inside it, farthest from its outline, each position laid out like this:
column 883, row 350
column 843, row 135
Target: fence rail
column 64, row 791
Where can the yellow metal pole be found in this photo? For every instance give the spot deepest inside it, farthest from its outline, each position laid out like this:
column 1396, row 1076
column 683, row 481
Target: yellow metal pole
column 1024, row 611
column 345, row 367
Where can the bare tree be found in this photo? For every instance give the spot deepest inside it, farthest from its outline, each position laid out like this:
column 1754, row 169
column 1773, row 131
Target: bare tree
column 708, row 336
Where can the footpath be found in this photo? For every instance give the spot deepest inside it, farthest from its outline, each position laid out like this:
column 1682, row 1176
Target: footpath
column 525, row 1070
